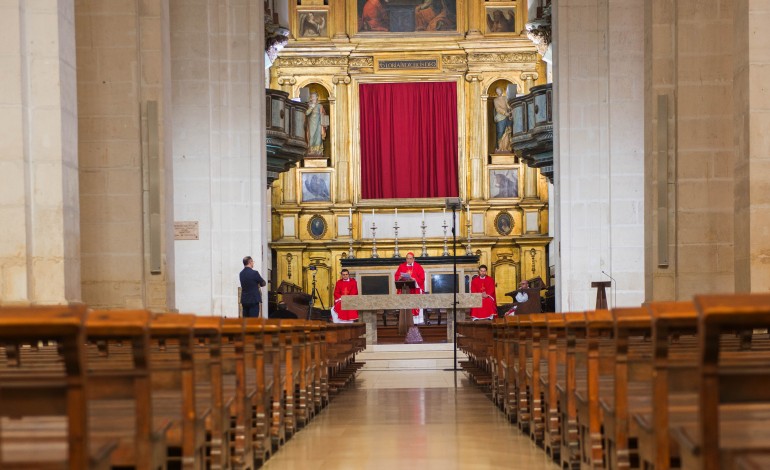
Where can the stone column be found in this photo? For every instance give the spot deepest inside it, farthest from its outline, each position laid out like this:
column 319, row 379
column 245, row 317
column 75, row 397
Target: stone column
column 219, row 151
column 751, row 121
column 340, row 133
column 599, row 197
column 476, row 135
column 39, row 211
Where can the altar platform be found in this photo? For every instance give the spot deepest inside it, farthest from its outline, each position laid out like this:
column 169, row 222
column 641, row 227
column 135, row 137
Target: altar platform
column 393, row 357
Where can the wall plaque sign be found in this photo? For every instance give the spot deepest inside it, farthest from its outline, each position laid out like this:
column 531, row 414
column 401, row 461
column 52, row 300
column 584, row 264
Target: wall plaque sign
column 427, row 63
column 186, row 230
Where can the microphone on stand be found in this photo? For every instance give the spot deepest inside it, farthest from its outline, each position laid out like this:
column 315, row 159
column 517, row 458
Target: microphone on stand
column 614, row 290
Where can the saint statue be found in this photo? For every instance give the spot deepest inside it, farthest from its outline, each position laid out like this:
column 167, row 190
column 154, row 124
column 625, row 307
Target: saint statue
column 502, row 122
column 316, row 126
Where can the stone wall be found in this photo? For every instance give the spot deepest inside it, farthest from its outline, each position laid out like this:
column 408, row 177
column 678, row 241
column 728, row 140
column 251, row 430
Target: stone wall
column 122, row 52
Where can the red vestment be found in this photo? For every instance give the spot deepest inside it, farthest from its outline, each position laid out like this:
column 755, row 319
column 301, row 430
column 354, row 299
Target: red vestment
column 374, row 17
column 488, row 307
column 416, row 272
column 343, row 287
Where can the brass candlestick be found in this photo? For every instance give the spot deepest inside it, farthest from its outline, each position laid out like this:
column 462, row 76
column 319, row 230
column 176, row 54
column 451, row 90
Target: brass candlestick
column 350, row 242
column 446, row 249
column 374, row 241
column 424, row 247
column 396, row 253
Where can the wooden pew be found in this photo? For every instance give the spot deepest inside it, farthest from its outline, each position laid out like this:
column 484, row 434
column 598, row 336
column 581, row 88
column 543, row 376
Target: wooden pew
column 256, row 386
column 209, row 384
column 173, row 378
column 674, row 382
column 496, row 362
column 477, row 342
column 733, row 398
column 521, row 333
column 632, row 386
column 592, row 381
column 569, row 451
column 43, row 391
column 236, row 384
column 120, row 388
column 198, row 392
column 557, row 359
column 537, row 349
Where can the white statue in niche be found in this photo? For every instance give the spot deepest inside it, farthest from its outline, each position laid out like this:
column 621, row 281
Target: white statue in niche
column 317, row 123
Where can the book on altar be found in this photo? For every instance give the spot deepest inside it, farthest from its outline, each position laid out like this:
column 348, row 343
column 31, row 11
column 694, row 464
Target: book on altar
column 405, row 277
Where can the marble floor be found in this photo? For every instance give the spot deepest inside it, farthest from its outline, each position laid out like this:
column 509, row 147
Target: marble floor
column 405, row 419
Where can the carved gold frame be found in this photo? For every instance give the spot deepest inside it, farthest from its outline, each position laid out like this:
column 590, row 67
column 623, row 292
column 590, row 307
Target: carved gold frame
column 295, row 22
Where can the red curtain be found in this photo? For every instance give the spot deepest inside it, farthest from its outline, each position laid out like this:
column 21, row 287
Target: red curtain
column 408, row 140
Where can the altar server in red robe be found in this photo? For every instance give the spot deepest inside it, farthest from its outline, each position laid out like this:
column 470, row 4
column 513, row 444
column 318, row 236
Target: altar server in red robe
column 484, row 285
column 412, row 270
column 344, row 286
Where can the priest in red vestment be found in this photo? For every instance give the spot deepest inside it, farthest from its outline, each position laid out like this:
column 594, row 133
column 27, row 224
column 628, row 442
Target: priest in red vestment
column 412, row 270
column 344, row 286
column 484, row 285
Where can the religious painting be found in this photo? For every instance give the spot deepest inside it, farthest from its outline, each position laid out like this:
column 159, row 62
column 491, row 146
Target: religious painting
column 504, row 223
column 407, row 16
column 504, row 182
column 316, row 186
column 312, row 24
column 500, row 20
column 317, row 226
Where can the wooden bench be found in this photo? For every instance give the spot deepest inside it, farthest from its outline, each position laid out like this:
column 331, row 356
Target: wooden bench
column 734, row 391
column 119, row 389
column 209, row 384
column 102, row 389
column 43, row 391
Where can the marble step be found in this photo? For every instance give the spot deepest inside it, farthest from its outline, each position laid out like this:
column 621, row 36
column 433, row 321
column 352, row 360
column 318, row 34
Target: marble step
column 408, row 356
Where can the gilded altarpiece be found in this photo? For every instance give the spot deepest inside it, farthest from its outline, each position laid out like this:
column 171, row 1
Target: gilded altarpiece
column 317, row 207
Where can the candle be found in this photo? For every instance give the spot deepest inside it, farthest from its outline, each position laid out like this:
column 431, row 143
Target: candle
column 350, row 212
column 423, row 215
column 372, row 212
column 468, row 206
column 396, row 209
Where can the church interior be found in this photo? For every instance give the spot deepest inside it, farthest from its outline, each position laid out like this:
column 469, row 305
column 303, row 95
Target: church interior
column 604, row 161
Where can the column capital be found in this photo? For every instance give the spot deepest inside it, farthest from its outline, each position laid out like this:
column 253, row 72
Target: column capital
column 473, row 77
column 337, row 79
column 287, row 80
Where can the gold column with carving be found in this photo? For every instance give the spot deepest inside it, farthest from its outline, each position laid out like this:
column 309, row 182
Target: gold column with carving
column 342, row 164
column 339, row 12
column 475, row 134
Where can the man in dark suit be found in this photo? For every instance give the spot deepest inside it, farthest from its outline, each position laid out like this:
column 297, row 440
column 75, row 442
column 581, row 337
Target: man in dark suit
column 251, row 281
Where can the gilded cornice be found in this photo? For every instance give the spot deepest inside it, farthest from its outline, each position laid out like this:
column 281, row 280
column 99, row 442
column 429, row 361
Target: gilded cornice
column 453, row 59
column 339, row 61
column 362, row 61
column 503, row 57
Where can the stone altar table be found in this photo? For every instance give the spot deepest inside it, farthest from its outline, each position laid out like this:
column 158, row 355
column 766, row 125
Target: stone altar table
column 367, row 304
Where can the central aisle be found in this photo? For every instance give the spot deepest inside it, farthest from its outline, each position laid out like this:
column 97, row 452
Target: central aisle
column 404, row 419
